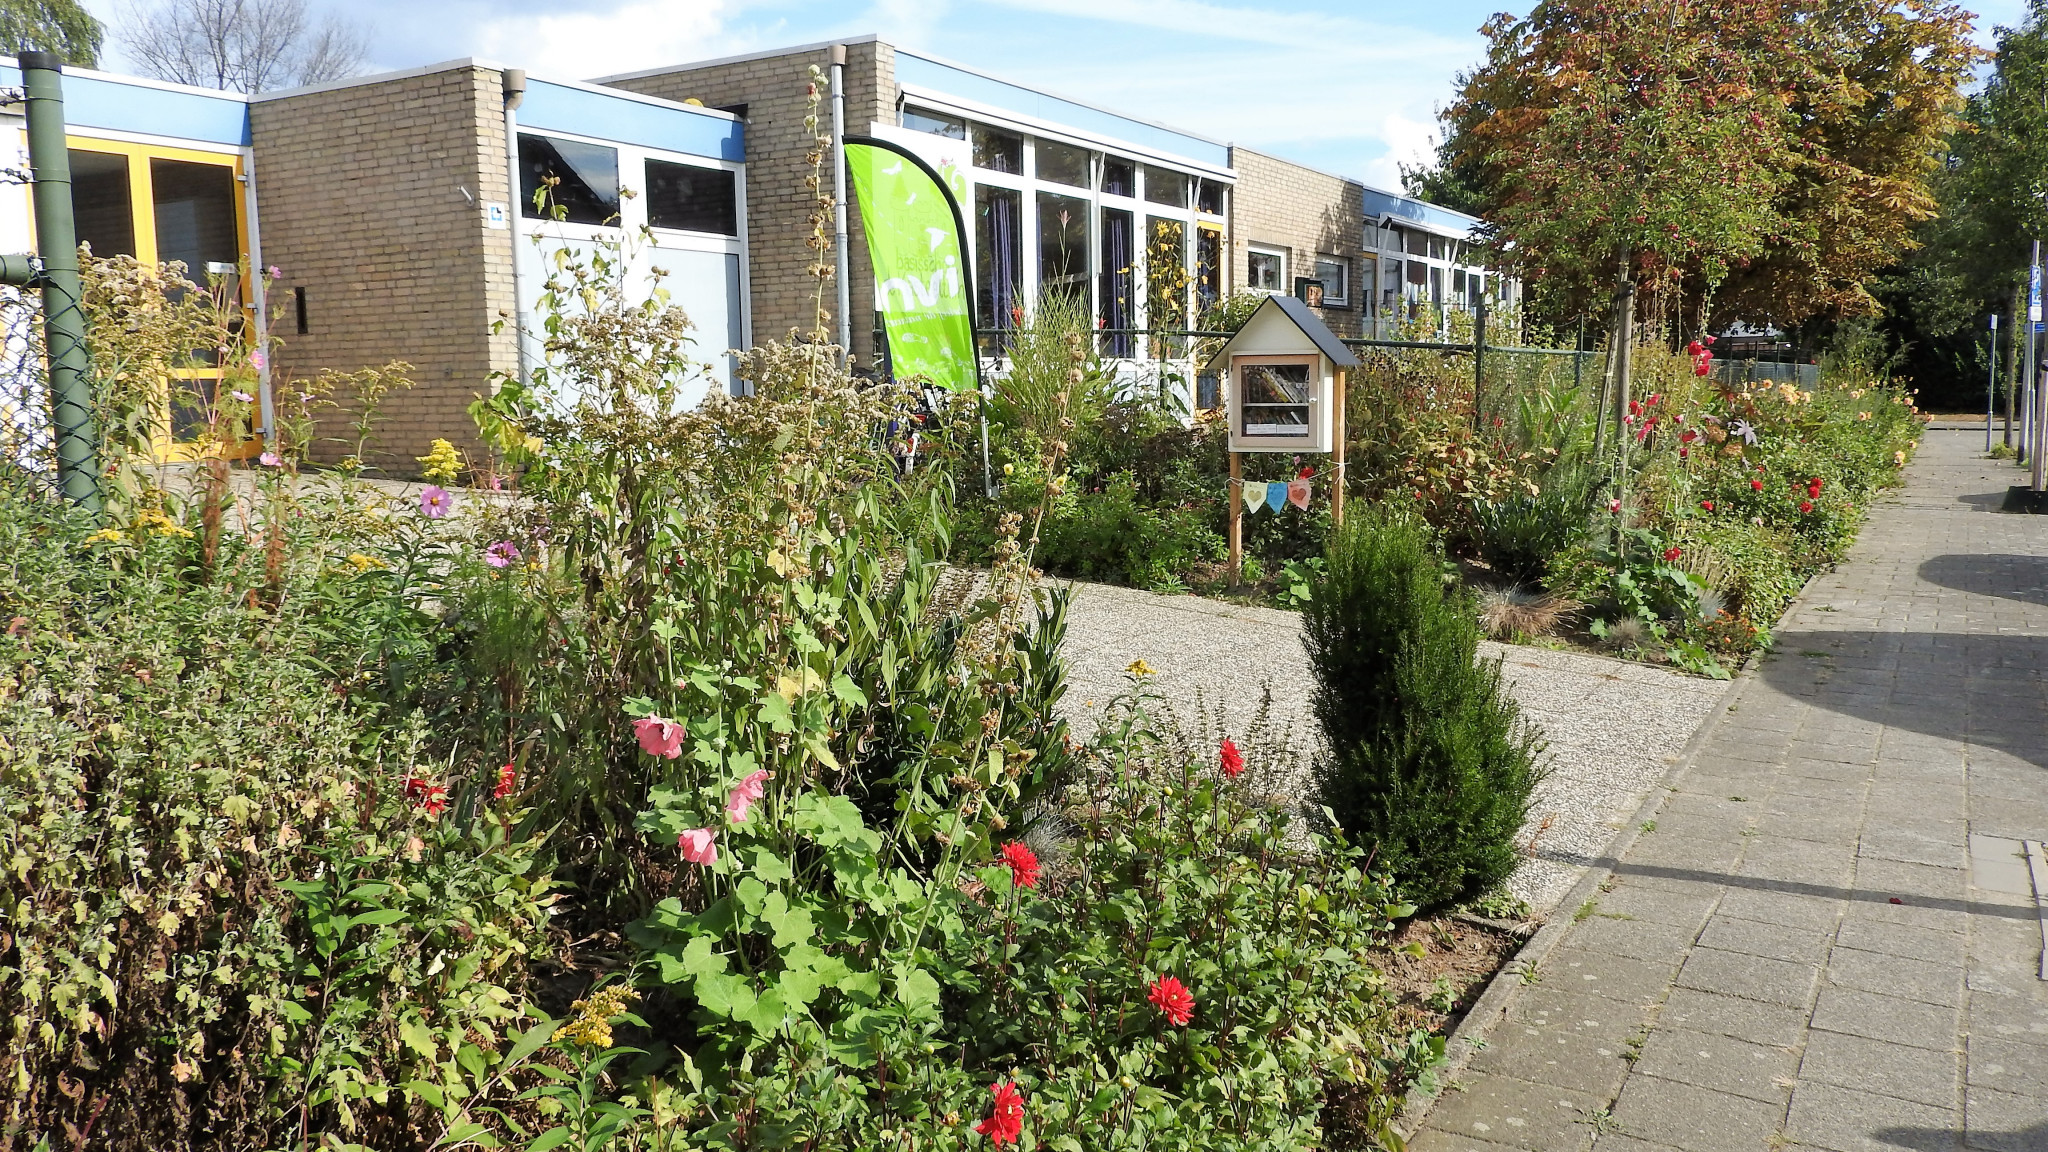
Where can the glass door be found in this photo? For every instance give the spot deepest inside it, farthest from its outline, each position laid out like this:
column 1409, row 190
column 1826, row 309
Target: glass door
column 160, row 204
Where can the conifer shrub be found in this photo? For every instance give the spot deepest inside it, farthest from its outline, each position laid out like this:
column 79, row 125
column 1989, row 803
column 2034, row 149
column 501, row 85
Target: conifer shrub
column 1426, row 762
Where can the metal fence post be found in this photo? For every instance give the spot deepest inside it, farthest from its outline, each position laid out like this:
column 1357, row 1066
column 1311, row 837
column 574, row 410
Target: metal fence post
column 1478, row 365
column 78, row 467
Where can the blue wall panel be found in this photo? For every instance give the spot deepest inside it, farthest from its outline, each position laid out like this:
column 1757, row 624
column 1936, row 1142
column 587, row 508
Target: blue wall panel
column 603, row 117
column 92, row 102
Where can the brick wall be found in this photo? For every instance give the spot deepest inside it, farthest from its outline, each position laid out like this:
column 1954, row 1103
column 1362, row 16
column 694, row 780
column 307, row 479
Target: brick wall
column 1308, row 213
column 361, row 191
column 779, row 203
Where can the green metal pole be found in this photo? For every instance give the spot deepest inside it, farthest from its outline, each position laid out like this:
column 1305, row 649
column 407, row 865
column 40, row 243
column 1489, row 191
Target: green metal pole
column 49, row 160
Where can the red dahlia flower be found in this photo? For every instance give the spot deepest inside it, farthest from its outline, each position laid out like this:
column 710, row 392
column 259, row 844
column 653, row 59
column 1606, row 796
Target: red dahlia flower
column 1023, row 864
column 1005, row 1115
column 1173, row 1000
column 1707, row 505
column 1756, row 485
column 508, row 778
column 1233, row 760
column 1671, row 554
column 1806, row 505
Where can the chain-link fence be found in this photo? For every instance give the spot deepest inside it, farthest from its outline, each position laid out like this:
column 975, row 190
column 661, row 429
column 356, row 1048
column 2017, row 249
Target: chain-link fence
column 28, row 440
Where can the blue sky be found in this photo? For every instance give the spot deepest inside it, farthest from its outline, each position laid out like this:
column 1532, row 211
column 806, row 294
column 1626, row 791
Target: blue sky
column 1350, row 88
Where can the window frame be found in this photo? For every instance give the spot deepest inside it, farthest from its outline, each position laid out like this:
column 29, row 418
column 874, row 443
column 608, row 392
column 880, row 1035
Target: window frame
column 1341, row 297
column 1280, row 283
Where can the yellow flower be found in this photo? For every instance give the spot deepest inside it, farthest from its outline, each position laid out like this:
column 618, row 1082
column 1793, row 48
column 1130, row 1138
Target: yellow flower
column 1138, row 669
column 592, row 1025
column 442, row 464
column 162, row 525
column 104, row 536
column 364, row 563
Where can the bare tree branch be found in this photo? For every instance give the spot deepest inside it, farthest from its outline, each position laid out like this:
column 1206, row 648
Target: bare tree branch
column 242, row 45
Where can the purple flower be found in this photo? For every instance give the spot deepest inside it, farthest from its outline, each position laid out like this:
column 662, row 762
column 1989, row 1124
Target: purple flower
column 503, row 554
column 270, row 459
column 275, row 272
column 435, row 501
column 244, row 397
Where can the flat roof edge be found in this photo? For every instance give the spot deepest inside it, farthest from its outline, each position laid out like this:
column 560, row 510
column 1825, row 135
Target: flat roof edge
column 740, row 58
column 141, row 81
column 945, row 63
column 377, row 78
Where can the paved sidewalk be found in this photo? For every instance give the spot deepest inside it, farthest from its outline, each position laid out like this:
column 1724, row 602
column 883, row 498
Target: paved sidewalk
column 1826, row 941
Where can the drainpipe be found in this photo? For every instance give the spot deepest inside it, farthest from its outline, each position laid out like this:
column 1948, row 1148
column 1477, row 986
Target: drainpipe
column 839, row 203
column 515, row 91
column 259, row 299
column 49, row 160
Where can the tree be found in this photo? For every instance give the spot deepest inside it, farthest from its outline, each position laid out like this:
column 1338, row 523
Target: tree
column 59, row 26
column 1848, row 102
column 243, row 45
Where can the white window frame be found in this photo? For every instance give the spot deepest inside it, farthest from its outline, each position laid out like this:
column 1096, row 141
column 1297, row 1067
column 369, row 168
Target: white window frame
column 1341, row 298
column 1277, row 252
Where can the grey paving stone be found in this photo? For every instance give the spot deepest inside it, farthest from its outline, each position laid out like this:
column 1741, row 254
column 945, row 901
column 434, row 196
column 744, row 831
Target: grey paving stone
column 1791, row 909
column 1902, row 940
column 1658, row 906
column 1912, row 881
column 1777, row 941
column 1799, row 861
column 1752, row 1020
column 1615, row 977
column 2005, row 1122
column 1669, row 848
column 1922, row 1075
column 1695, row 1119
column 1750, row 977
column 1706, row 1060
column 1943, row 848
column 2005, row 1066
column 1623, row 1142
column 1845, row 1120
column 1886, row 1018
column 1921, row 980
column 1517, row 1113
column 1432, row 1140
column 1558, row 1007
column 1636, row 939
column 1563, row 1057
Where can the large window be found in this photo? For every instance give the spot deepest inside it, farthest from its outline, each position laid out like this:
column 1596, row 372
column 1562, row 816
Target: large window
column 1166, row 283
column 1209, row 197
column 1119, row 280
column 692, row 199
column 1119, row 177
column 195, row 216
column 998, row 261
column 1368, row 278
column 1063, row 246
column 1335, row 273
column 1208, row 267
column 581, row 181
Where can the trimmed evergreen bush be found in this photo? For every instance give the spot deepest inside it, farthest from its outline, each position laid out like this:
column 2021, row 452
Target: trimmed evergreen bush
column 1427, row 763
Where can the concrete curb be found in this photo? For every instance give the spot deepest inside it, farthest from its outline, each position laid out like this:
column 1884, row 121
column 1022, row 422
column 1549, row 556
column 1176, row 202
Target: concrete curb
column 1492, row 1006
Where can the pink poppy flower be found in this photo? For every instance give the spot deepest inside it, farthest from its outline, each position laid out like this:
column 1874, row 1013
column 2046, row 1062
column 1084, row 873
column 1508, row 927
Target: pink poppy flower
column 435, row 501
column 699, row 846
column 747, row 794
column 659, row 737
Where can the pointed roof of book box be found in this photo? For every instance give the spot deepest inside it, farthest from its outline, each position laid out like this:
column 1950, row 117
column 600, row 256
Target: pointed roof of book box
column 1258, row 327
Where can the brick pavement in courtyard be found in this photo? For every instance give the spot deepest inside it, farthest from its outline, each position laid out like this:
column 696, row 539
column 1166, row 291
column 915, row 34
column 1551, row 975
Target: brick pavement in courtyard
column 1826, row 941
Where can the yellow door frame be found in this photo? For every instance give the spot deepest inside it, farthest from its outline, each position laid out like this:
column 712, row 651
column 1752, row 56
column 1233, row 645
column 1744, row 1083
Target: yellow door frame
column 142, row 220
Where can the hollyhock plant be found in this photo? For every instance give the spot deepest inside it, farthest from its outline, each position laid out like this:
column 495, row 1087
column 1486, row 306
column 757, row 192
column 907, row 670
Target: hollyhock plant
column 699, row 846
column 435, row 501
column 1233, row 760
column 659, row 737
column 1005, row 1121
column 1023, row 864
column 503, row 554
column 1173, row 1000
column 747, row 794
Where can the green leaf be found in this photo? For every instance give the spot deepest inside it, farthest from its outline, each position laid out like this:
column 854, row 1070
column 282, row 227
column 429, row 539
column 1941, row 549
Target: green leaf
column 767, row 865
column 918, row 991
column 550, row 1139
column 530, row 1041
column 846, row 690
column 728, row 996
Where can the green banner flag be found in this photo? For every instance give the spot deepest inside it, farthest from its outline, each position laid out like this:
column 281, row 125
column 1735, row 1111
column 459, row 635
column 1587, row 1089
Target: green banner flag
column 917, row 244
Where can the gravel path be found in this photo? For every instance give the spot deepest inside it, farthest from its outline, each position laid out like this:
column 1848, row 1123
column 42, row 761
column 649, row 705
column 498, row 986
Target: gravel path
column 1613, row 728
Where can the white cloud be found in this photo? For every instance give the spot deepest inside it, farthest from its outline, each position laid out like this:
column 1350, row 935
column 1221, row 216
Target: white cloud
column 645, row 34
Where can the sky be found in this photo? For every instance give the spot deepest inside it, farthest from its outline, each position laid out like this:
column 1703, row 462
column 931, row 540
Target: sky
column 1350, row 88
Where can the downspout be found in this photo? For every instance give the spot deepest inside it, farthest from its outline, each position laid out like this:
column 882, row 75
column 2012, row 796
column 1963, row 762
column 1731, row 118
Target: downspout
column 839, row 203
column 259, row 299
column 514, row 80
column 49, row 161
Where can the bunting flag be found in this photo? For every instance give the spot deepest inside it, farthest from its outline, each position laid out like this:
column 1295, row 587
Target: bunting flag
column 1276, row 495
column 1297, row 494
column 1254, row 497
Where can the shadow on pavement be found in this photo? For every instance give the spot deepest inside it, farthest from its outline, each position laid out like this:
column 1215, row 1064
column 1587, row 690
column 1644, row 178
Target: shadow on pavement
column 1931, row 1139
column 1985, row 688
column 2025, row 913
column 2023, row 578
